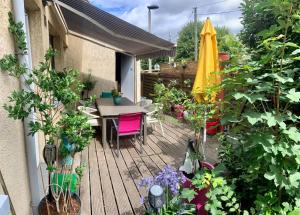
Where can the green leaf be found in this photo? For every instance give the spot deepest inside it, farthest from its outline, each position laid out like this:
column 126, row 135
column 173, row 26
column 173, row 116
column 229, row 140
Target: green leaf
column 290, row 44
column 295, row 212
column 188, row 194
column 296, row 52
column 245, row 213
column 253, row 117
column 224, row 198
column 251, row 98
column 271, row 121
column 293, row 95
column 270, row 176
column 294, row 179
column 293, row 134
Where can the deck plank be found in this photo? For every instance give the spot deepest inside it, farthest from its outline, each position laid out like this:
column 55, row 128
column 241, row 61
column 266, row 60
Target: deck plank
column 85, row 186
column 110, row 183
column 96, row 191
column 130, row 186
column 123, row 203
column 110, row 204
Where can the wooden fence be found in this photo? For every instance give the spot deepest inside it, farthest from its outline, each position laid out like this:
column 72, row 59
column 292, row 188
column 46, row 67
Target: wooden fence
column 149, row 79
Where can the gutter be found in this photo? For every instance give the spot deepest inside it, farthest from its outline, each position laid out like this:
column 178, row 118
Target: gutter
column 31, row 142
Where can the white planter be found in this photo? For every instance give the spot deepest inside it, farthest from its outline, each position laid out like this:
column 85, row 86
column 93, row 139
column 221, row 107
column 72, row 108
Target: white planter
column 4, row 205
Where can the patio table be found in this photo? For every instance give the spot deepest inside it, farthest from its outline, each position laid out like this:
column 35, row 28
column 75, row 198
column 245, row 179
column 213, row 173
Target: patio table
column 108, row 110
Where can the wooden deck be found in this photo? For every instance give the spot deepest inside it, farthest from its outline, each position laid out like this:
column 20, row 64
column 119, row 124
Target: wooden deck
column 109, row 185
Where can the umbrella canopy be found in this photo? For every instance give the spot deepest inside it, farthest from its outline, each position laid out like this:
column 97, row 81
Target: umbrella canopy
column 207, row 75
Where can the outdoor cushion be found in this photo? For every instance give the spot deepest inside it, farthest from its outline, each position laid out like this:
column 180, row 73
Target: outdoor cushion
column 106, row 95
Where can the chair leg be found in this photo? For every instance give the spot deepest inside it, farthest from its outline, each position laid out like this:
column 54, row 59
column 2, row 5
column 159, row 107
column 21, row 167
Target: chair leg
column 141, row 144
column 162, row 129
column 118, row 145
column 154, row 126
column 111, row 131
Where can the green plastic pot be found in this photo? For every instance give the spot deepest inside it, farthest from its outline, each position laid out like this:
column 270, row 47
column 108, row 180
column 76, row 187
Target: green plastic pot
column 117, row 100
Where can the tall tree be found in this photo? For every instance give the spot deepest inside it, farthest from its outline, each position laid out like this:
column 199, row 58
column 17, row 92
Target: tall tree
column 186, row 43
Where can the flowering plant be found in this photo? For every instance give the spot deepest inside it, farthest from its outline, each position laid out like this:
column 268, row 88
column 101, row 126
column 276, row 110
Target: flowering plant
column 177, row 198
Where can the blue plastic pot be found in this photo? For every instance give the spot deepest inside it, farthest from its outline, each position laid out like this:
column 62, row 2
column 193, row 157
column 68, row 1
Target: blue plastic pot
column 70, row 147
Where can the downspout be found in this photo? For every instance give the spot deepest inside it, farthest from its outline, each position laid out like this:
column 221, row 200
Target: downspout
column 30, row 141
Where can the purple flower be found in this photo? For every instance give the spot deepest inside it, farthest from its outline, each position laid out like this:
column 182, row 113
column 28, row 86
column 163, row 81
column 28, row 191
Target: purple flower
column 168, row 178
column 142, row 200
column 146, row 182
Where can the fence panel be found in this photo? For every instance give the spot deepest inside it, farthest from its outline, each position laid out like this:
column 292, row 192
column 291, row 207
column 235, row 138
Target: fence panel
column 149, row 79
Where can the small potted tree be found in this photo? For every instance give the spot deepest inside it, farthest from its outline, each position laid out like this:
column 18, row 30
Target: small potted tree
column 88, row 85
column 49, row 93
column 178, row 98
column 75, row 133
column 196, row 154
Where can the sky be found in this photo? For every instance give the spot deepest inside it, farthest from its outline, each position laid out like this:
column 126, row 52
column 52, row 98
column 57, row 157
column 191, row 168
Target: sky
column 172, row 15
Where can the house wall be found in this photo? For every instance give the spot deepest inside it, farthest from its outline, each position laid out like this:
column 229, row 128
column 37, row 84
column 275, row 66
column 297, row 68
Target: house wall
column 13, row 163
column 89, row 57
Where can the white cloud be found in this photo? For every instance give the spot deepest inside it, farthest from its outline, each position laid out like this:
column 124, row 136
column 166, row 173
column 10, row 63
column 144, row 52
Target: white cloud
column 173, row 14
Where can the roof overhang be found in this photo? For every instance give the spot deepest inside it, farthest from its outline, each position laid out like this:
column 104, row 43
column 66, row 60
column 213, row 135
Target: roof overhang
column 90, row 21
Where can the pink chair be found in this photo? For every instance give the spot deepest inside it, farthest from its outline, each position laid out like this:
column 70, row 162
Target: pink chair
column 126, row 125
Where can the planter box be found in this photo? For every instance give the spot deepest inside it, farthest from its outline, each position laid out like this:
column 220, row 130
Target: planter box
column 4, row 205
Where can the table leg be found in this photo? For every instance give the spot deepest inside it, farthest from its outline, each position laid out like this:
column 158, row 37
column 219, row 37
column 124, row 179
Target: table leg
column 145, row 129
column 104, row 142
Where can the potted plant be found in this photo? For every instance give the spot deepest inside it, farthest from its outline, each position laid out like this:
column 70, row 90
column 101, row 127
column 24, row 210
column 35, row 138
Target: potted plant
column 75, row 133
column 198, row 113
column 178, row 97
column 117, row 96
column 174, row 199
column 54, row 93
column 88, row 84
column 162, row 96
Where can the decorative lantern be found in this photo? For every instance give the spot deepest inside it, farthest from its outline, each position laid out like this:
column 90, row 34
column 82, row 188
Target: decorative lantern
column 156, row 197
column 49, row 154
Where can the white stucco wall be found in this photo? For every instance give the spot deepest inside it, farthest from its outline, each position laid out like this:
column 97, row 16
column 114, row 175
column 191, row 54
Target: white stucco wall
column 87, row 56
column 12, row 146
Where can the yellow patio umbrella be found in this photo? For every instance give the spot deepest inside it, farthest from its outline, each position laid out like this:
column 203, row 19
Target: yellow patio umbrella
column 208, row 64
column 207, row 76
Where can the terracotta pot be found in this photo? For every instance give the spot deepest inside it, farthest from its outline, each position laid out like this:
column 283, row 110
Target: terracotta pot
column 224, row 56
column 200, row 198
column 179, row 111
column 43, row 202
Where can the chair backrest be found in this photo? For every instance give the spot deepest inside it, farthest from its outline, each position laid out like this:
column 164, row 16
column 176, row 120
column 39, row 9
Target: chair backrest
column 86, row 109
column 129, row 123
column 89, row 112
column 106, row 94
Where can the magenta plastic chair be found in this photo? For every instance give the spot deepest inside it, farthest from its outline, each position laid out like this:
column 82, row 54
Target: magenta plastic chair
column 126, row 125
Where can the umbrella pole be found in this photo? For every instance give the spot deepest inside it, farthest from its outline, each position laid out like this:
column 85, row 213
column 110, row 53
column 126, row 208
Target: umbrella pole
column 204, row 137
